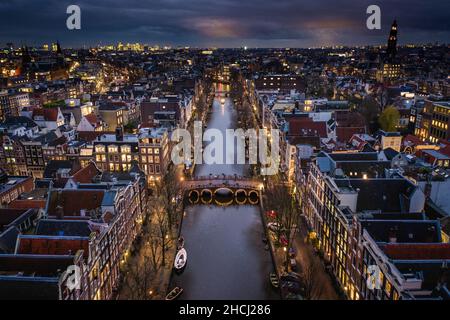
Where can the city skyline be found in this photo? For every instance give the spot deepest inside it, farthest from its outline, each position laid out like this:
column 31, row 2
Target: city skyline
column 224, row 151
column 225, row 24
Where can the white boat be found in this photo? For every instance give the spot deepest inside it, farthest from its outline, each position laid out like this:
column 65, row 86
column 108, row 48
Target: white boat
column 175, row 293
column 180, row 259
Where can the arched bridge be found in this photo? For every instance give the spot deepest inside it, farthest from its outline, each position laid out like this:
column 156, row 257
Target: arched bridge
column 232, row 181
column 223, row 190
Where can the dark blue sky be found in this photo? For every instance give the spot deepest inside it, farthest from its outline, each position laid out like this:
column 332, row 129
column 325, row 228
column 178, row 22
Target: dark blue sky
column 222, row 23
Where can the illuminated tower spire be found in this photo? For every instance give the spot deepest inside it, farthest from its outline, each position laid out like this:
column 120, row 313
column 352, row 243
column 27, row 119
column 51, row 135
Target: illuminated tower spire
column 392, row 41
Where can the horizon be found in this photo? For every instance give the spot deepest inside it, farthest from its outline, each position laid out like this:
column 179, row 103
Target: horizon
column 167, row 47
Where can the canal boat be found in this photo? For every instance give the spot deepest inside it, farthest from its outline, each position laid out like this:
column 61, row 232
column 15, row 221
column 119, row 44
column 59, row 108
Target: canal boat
column 180, row 244
column 274, row 280
column 175, row 293
column 180, row 259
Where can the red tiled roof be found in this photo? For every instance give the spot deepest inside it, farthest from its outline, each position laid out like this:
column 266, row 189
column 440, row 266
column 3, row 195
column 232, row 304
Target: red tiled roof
column 417, row 251
column 92, row 119
column 412, row 139
column 73, row 201
column 52, row 245
column 49, row 114
column 26, row 204
column 307, row 127
column 86, row 174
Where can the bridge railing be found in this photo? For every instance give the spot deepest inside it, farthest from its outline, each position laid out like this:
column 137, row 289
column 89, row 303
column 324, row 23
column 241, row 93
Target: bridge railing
column 221, row 177
column 230, row 181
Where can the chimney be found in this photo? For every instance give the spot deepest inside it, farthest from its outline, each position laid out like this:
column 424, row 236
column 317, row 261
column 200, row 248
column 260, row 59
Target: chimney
column 119, row 133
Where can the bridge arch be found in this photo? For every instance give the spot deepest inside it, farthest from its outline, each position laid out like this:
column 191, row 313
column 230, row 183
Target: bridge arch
column 223, row 190
column 253, row 197
column 194, row 196
column 206, row 196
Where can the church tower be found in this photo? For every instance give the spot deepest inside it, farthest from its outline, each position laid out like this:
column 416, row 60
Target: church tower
column 392, row 41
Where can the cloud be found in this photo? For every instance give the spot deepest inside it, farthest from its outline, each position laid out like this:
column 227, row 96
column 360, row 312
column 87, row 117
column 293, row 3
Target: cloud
column 216, row 27
column 223, row 22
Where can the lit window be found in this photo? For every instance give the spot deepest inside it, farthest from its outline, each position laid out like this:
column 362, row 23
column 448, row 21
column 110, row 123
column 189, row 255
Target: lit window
column 99, row 148
column 113, row 149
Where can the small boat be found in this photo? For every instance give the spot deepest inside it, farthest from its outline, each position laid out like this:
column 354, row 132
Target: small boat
column 274, row 280
column 180, row 244
column 175, row 293
column 180, row 259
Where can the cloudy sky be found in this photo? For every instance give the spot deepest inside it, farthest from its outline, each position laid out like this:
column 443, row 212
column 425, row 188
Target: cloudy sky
column 222, row 23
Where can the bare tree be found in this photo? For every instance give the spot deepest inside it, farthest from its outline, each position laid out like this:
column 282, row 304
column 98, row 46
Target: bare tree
column 163, row 232
column 168, row 194
column 138, row 279
column 312, row 283
column 152, row 244
column 280, row 199
column 204, row 99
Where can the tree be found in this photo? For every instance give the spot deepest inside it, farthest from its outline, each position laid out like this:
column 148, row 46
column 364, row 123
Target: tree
column 279, row 198
column 162, row 233
column 138, row 279
column 369, row 109
column 169, row 193
column 312, row 286
column 389, row 119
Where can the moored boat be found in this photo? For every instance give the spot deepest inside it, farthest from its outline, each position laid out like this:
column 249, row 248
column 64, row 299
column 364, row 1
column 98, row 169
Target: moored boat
column 175, row 293
column 180, row 259
column 274, row 280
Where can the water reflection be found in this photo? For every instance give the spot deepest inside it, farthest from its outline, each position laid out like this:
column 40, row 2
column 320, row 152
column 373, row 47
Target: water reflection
column 227, row 257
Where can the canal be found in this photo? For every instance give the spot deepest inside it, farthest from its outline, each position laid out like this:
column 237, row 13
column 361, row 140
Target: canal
column 226, row 255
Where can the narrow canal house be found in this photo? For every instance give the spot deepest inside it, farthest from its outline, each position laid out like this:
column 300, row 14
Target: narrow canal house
column 343, row 188
column 90, row 225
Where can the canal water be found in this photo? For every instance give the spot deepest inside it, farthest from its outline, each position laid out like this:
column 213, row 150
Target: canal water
column 226, row 255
